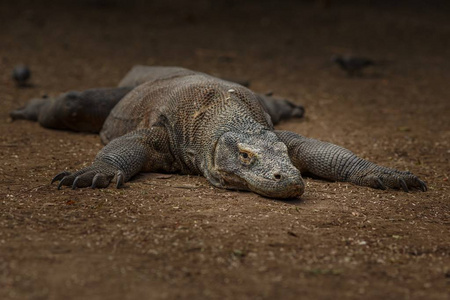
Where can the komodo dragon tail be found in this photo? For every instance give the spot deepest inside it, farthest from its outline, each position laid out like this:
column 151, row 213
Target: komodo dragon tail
column 78, row 111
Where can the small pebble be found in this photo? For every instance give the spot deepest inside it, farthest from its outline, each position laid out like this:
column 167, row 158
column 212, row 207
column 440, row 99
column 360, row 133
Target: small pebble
column 21, row 74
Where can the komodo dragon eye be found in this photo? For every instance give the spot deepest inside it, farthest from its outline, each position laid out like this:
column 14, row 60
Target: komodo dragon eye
column 246, row 157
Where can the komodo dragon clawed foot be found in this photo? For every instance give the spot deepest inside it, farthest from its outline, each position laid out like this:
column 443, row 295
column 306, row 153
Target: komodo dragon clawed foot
column 140, row 150
column 95, row 176
column 383, row 178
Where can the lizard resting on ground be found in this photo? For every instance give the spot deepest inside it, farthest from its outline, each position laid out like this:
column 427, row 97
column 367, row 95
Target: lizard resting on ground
column 169, row 119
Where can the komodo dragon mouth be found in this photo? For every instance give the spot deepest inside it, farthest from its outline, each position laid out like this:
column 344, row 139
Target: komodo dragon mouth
column 291, row 187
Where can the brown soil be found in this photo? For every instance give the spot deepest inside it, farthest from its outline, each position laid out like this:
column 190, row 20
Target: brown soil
column 178, row 237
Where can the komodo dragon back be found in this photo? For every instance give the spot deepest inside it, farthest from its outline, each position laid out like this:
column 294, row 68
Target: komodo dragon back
column 183, row 98
column 140, row 74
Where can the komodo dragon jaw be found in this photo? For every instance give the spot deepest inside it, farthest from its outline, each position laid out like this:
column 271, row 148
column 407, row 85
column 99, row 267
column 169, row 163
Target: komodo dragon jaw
column 258, row 163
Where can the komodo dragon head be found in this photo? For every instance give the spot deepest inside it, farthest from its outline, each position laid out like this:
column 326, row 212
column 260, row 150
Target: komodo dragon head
column 256, row 162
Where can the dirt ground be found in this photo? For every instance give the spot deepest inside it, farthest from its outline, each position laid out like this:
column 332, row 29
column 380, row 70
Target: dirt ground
column 172, row 237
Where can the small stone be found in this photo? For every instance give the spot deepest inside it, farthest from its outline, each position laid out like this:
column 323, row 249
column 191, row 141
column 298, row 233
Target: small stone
column 21, row 74
column 353, row 65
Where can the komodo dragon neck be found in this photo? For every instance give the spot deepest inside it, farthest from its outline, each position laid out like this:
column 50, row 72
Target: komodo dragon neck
column 198, row 124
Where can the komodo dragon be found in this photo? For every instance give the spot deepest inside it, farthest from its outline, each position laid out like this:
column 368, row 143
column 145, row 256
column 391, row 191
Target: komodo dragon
column 170, row 119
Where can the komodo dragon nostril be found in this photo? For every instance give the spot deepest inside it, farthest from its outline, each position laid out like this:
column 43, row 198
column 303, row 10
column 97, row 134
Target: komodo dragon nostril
column 277, row 176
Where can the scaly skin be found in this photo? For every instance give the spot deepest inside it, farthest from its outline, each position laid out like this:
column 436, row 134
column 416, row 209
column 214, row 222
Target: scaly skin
column 339, row 164
column 177, row 120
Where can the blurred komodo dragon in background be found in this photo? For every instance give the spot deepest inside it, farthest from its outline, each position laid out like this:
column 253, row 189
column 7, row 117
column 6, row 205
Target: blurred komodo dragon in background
column 169, row 119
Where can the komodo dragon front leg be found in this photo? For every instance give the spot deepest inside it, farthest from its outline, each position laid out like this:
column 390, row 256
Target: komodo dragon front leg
column 335, row 163
column 144, row 150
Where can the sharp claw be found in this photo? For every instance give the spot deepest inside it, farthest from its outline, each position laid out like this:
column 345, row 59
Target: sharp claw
column 120, row 177
column 61, row 183
column 403, row 185
column 423, row 186
column 60, row 176
column 380, row 184
column 74, row 184
column 94, row 181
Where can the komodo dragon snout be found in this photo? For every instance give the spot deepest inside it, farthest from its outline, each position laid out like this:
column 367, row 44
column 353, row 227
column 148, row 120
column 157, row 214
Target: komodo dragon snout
column 256, row 162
